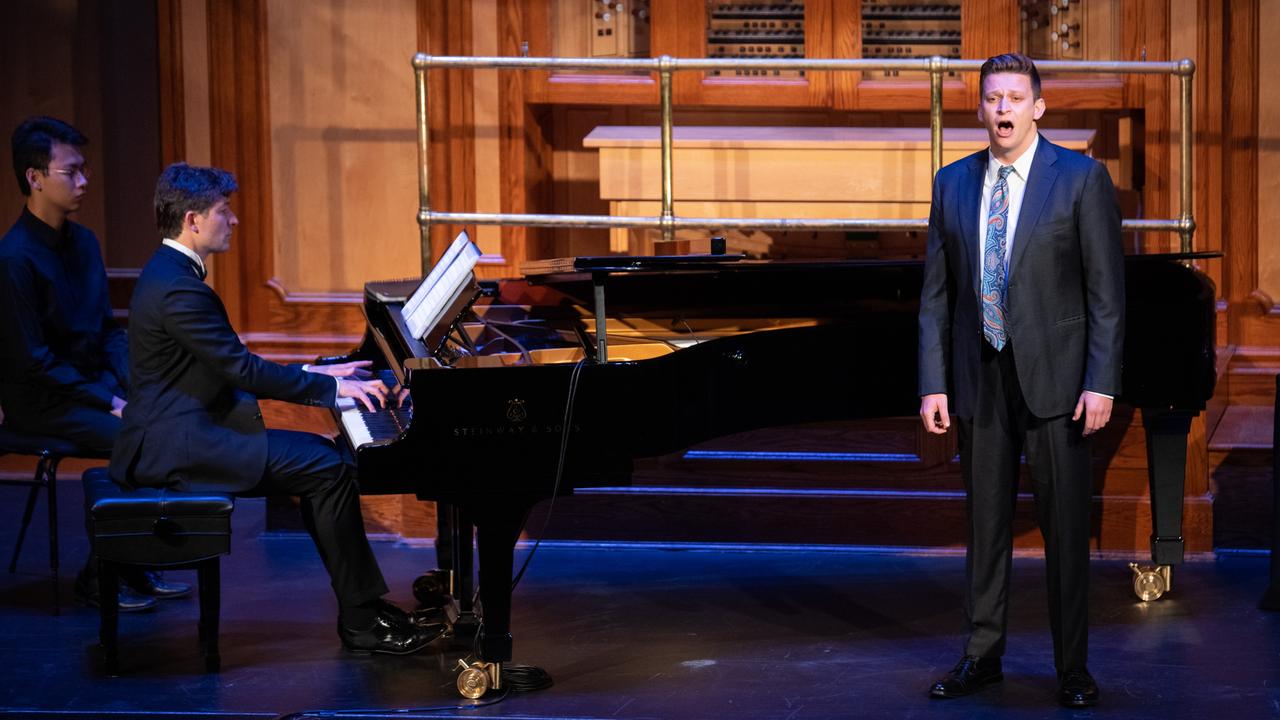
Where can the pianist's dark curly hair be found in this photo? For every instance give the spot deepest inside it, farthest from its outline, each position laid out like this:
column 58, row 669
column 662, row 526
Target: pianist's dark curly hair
column 184, row 188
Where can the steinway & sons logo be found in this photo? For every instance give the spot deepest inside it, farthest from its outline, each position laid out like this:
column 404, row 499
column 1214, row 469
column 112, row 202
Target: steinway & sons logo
column 516, row 412
column 517, row 415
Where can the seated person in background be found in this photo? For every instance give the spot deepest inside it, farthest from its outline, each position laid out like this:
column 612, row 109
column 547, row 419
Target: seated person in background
column 193, row 421
column 64, row 361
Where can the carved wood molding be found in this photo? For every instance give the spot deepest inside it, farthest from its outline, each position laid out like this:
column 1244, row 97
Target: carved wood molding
column 334, row 297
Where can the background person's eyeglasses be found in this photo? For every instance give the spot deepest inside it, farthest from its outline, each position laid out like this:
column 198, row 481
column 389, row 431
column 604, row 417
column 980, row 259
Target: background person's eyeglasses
column 71, row 172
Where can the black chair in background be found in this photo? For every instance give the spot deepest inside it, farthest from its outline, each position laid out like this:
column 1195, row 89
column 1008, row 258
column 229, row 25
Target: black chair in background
column 50, row 452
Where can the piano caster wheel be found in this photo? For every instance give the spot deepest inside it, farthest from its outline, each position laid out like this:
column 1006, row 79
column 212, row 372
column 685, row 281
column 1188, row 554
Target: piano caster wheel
column 478, row 678
column 432, row 588
column 1150, row 582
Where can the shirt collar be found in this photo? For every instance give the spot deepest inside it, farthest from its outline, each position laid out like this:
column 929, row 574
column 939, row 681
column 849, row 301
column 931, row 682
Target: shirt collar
column 1021, row 166
column 200, row 269
column 53, row 237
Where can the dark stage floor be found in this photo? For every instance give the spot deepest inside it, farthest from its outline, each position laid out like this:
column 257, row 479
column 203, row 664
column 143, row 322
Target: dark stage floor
column 642, row 633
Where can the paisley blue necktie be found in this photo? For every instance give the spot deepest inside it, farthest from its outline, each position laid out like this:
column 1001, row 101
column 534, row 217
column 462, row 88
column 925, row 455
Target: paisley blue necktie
column 994, row 278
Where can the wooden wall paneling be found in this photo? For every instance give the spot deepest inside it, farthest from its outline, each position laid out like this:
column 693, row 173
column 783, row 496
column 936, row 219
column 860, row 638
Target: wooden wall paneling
column 577, row 174
column 1157, row 152
column 444, row 28
column 846, row 42
column 525, row 148
column 1268, row 134
column 989, row 28
column 1208, row 99
column 129, row 143
column 173, row 135
column 1240, row 166
column 239, row 130
column 237, row 68
column 680, row 39
column 195, row 80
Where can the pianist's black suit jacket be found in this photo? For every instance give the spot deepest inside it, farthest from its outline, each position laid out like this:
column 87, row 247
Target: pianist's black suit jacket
column 193, row 420
column 1066, row 284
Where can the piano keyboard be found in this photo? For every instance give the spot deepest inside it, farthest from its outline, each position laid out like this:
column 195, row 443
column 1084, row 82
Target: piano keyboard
column 362, row 427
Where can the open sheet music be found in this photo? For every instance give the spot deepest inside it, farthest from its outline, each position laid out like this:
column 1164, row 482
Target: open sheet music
column 447, row 278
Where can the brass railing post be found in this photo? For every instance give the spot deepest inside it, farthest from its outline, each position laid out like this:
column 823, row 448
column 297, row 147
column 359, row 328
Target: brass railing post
column 936, row 65
column 668, row 214
column 420, row 64
column 1186, row 69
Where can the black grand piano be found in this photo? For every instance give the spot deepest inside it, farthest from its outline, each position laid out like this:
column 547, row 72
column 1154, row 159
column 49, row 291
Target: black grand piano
column 535, row 386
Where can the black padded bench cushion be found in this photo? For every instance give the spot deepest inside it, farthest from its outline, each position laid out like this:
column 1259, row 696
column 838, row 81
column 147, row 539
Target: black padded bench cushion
column 156, row 526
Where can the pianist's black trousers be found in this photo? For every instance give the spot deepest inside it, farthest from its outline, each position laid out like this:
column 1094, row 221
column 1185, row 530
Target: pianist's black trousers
column 311, row 467
column 1058, row 457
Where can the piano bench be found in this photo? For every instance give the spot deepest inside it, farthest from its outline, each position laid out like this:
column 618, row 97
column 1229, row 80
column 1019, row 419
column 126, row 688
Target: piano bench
column 154, row 529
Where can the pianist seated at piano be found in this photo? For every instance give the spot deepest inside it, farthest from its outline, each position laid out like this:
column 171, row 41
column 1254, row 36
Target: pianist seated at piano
column 193, row 421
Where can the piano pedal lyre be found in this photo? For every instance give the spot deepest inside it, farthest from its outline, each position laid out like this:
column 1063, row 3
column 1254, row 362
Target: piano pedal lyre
column 479, row 677
column 1150, row 582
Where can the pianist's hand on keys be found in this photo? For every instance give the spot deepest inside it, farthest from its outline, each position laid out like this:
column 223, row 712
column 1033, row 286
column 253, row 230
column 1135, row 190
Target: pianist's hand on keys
column 362, row 426
column 372, row 394
column 358, row 369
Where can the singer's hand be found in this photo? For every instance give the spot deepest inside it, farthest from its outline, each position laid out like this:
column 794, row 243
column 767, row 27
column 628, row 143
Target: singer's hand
column 1095, row 409
column 933, row 413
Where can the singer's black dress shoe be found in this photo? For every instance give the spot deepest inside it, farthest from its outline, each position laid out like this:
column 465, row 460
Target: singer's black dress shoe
column 390, row 634
column 151, row 583
column 1076, row 688
column 970, row 674
column 126, row 600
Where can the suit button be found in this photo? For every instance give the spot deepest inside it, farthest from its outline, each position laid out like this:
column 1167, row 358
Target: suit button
column 257, row 416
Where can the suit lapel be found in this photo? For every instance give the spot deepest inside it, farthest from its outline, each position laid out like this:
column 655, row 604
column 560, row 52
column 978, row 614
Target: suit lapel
column 970, row 204
column 1039, row 185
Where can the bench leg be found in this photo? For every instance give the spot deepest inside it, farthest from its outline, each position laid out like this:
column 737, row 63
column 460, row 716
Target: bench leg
column 108, row 614
column 208, row 577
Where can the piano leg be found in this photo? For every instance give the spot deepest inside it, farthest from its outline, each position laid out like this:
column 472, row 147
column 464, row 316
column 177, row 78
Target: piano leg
column 497, row 532
column 463, row 588
column 1166, row 432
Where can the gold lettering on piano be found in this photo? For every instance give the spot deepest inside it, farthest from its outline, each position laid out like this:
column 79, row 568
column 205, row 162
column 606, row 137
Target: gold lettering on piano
column 475, row 431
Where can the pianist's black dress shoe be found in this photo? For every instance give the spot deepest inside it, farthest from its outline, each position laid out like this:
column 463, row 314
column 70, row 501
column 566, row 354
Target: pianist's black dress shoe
column 424, row 618
column 151, row 583
column 127, row 600
column 970, row 674
column 390, row 634
column 1076, row 688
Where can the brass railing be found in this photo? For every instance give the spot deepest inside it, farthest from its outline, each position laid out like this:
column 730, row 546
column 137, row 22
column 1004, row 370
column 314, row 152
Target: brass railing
column 665, row 65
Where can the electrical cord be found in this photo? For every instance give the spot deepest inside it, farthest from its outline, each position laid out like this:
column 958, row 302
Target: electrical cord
column 574, row 378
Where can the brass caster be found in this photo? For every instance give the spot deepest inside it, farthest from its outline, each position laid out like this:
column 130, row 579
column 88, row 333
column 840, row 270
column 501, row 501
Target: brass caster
column 478, row 678
column 1151, row 581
